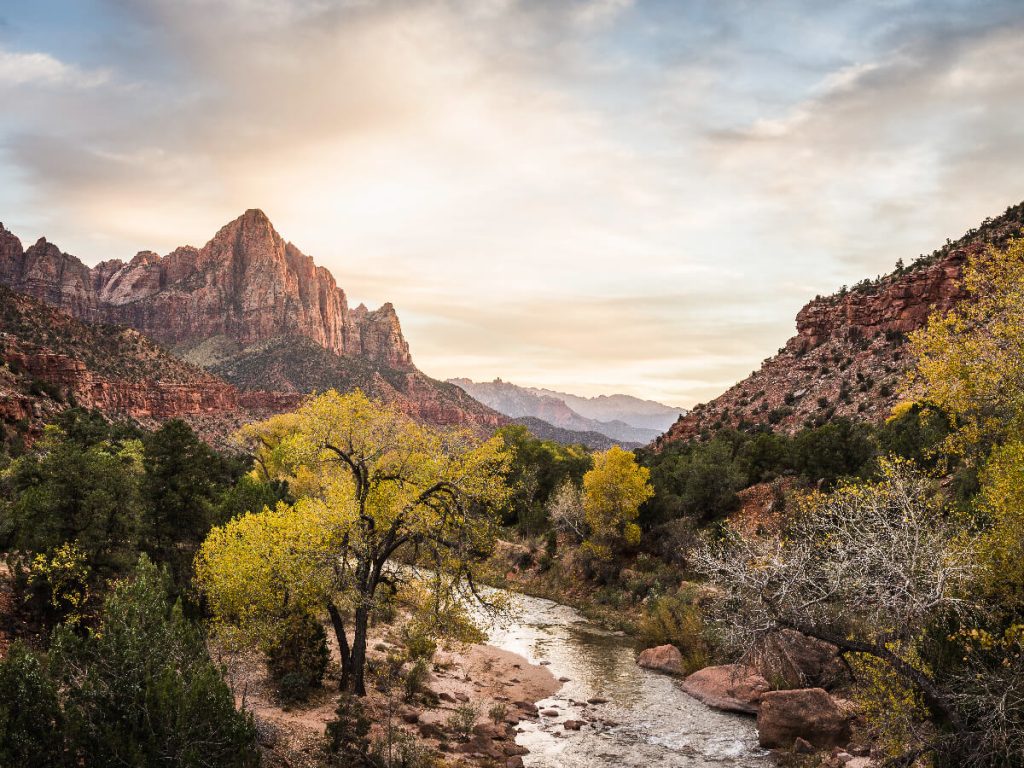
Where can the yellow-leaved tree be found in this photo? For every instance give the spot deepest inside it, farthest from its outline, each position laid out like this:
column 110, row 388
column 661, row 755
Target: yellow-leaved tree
column 377, row 494
column 971, row 364
column 612, row 494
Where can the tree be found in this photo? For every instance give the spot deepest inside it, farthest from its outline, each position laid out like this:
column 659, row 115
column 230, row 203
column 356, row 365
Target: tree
column 181, row 480
column 142, row 690
column 871, row 568
column 970, row 362
column 536, row 470
column 565, row 510
column 65, row 492
column 31, row 720
column 374, row 489
column 612, row 494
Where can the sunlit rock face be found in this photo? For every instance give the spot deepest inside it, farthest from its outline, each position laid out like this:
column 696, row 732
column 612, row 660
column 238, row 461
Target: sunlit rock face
column 247, row 284
column 251, row 308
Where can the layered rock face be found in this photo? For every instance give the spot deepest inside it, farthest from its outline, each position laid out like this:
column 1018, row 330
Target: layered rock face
column 247, row 284
column 51, row 361
column 848, row 357
column 252, row 309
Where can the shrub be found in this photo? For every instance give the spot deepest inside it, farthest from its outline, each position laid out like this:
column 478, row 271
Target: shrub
column 419, row 642
column 416, row 679
column 298, row 661
column 348, row 733
column 142, row 690
column 462, row 720
column 30, row 713
column 498, row 712
column 677, row 621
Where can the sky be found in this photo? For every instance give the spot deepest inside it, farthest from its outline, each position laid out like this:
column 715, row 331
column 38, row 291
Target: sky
column 596, row 196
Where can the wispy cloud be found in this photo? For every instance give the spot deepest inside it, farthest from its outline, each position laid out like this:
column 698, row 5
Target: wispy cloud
column 592, row 194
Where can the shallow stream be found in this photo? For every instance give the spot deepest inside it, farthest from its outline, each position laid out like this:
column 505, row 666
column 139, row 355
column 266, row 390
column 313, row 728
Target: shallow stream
column 647, row 720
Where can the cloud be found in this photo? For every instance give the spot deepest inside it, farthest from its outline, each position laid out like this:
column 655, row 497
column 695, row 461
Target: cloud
column 595, row 195
column 18, row 69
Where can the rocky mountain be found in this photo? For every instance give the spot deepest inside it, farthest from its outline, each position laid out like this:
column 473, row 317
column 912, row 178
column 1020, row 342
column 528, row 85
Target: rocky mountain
column 849, row 357
column 250, row 306
column 50, row 361
column 520, row 402
column 645, row 414
column 595, row 441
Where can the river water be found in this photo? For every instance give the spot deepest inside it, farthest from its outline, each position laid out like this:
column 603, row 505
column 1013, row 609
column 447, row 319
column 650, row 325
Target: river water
column 647, row 721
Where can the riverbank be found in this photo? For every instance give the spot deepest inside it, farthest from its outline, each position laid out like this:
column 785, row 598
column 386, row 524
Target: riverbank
column 472, row 700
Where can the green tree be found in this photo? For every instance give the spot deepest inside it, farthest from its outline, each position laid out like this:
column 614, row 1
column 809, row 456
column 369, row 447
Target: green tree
column 181, row 481
column 63, row 492
column 31, row 720
column 142, row 691
column 537, row 468
column 373, row 488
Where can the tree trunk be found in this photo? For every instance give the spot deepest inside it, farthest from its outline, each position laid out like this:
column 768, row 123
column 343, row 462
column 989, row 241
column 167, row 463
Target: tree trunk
column 342, row 638
column 358, row 684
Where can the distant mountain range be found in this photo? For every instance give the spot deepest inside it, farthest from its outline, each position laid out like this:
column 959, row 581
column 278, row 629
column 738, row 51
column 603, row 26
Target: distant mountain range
column 250, row 308
column 627, row 420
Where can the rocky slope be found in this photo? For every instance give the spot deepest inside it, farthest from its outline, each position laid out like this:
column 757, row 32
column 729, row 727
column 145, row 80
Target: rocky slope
column 249, row 306
column 551, row 407
column 50, row 361
column 849, row 357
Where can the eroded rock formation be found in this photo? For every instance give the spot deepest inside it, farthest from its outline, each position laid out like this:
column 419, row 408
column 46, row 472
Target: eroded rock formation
column 848, row 357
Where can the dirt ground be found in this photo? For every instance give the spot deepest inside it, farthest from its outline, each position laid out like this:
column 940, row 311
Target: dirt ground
column 477, row 676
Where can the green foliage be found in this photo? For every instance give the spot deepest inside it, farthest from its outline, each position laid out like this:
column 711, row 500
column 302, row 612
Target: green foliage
column 31, row 719
column 298, row 660
column 915, row 431
column 695, row 479
column 64, row 491
column 415, row 679
column 462, row 720
column 179, row 487
column 348, row 733
column 838, row 449
column 537, row 468
column 676, row 620
column 142, row 690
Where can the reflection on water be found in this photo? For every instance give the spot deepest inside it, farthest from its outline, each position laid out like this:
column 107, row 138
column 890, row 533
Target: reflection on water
column 646, row 721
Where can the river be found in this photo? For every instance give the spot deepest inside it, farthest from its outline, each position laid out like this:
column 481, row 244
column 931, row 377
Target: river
column 647, row 721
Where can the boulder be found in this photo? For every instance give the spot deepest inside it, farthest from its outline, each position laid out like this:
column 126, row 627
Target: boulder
column 729, row 687
column 806, row 713
column 798, row 661
column 663, row 658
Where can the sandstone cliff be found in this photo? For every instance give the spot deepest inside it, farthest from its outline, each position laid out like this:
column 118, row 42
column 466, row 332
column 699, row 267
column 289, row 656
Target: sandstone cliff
column 251, row 308
column 247, row 285
column 848, row 357
column 50, row 361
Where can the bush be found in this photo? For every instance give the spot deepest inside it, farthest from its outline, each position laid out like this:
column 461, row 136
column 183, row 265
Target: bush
column 30, row 714
column 419, row 643
column 462, row 720
column 142, row 690
column 677, row 621
column 348, row 733
column 416, row 679
column 297, row 663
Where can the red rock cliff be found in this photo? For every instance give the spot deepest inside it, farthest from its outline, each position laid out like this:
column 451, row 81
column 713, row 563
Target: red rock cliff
column 247, row 284
column 848, row 357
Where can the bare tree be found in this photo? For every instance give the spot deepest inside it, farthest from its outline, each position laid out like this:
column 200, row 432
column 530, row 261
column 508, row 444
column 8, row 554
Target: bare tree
column 866, row 568
column 565, row 508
